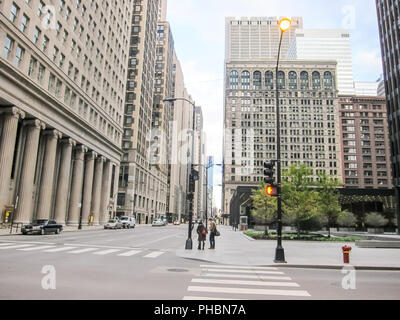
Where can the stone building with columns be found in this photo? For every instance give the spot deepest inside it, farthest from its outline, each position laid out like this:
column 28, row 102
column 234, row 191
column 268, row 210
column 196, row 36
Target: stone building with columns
column 62, row 92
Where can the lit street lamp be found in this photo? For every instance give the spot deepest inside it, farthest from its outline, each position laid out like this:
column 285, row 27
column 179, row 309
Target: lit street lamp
column 284, row 25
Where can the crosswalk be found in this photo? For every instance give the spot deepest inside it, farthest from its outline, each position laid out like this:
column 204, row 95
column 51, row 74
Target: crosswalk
column 76, row 250
column 222, row 282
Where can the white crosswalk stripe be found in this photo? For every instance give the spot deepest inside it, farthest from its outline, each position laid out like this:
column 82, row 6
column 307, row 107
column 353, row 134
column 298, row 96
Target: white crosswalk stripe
column 37, row 248
column 16, row 246
column 129, row 253
column 83, row 250
column 154, row 254
column 60, row 249
column 222, row 282
column 104, row 252
column 6, row 244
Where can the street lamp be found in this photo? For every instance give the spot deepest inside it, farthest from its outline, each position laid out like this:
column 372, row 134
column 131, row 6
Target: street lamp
column 190, row 194
column 284, row 25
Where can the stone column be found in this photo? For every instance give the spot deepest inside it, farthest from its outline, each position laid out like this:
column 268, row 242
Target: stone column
column 88, row 187
column 75, row 201
column 116, row 185
column 63, row 180
column 25, row 194
column 47, row 181
column 96, row 193
column 105, row 192
column 7, row 147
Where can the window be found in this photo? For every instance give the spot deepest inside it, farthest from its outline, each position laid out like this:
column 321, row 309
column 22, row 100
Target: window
column 45, row 43
column 328, row 80
column 24, row 23
column 269, row 80
column 245, row 80
column 233, row 80
column 257, row 80
column 281, row 80
column 36, row 35
column 8, row 47
column 292, row 80
column 14, row 12
column 304, row 81
column 41, row 72
column 316, row 80
column 19, row 55
column 32, row 67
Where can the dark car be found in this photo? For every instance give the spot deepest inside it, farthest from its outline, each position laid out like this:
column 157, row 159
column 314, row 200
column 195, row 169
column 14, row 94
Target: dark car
column 42, row 226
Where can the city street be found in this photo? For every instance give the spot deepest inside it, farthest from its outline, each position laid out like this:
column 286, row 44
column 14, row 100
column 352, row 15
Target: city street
column 142, row 264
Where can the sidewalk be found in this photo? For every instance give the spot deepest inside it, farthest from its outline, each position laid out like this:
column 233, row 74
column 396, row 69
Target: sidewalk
column 234, row 248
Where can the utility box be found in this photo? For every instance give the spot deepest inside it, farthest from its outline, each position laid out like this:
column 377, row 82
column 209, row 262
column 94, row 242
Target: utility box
column 243, row 223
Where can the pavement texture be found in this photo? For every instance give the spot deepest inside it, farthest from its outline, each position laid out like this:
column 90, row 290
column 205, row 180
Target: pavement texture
column 235, row 248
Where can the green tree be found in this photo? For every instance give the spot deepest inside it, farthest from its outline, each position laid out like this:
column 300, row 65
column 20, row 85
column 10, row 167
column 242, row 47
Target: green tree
column 299, row 198
column 264, row 212
column 328, row 199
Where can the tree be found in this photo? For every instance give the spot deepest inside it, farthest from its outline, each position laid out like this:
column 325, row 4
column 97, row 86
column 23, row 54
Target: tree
column 299, row 199
column 374, row 219
column 264, row 212
column 328, row 199
column 347, row 219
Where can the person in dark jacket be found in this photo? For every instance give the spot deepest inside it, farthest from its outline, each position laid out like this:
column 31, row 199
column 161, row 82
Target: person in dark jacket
column 213, row 231
column 202, row 235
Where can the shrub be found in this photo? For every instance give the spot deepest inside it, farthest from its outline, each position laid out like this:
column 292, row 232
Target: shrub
column 347, row 219
column 374, row 219
column 312, row 224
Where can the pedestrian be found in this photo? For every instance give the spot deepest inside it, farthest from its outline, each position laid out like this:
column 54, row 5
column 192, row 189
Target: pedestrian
column 213, row 230
column 235, row 226
column 202, row 235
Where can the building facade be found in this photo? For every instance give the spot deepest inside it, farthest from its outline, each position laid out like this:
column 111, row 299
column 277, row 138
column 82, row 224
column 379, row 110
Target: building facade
column 365, row 142
column 389, row 32
column 309, row 120
column 326, row 44
column 62, row 93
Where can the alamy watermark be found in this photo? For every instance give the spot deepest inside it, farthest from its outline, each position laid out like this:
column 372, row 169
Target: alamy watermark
column 49, row 280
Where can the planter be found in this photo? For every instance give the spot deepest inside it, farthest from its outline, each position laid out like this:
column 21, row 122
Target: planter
column 347, row 229
column 376, row 230
column 261, row 228
column 288, row 229
column 333, row 229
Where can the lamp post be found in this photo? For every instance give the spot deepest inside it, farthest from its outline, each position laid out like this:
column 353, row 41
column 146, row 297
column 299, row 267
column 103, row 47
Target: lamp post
column 284, row 25
column 190, row 194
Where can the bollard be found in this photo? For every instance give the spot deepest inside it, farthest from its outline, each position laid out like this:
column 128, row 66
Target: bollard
column 346, row 254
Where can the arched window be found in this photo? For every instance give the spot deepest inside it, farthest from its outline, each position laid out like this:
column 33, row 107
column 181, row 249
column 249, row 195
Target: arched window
column 234, row 80
column 328, row 80
column 304, row 80
column 316, row 80
column 292, row 80
column 281, row 80
column 257, row 80
column 245, row 80
column 269, row 80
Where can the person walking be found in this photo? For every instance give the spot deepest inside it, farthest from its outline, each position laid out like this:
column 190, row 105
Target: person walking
column 202, row 235
column 213, row 229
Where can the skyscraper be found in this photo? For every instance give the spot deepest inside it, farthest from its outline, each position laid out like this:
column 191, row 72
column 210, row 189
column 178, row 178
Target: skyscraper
column 388, row 20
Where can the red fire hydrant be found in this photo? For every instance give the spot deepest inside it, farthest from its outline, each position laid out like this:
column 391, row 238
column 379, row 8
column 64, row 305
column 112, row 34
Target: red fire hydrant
column 346, row 254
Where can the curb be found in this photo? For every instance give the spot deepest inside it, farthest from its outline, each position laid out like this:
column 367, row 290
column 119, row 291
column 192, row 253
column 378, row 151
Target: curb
column 247, row 237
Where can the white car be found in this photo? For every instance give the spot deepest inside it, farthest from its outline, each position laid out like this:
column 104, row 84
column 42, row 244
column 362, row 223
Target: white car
column 128, row 222
column 177, row 223
column 158, row 223
column 113, row 224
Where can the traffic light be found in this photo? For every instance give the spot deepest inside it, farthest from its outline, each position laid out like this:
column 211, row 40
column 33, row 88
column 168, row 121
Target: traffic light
column 271, row 190
column 269, row 172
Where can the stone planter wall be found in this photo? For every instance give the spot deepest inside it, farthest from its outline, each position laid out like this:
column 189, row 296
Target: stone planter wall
column 347, row 229
column 376, row 230
column 260, row 228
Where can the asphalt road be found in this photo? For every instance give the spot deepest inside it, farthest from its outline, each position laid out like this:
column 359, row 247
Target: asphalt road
column 141, row 264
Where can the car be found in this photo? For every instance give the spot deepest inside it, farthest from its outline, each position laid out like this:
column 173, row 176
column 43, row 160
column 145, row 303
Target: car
column 158, row 223
column 113, row 224
column 42, row 226
column 128, row 222
column 176, row 223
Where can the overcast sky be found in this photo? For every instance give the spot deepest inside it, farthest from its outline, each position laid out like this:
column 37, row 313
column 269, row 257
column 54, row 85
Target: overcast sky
column 198, row 28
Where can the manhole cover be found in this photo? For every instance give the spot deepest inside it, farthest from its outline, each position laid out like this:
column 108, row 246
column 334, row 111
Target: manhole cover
column 178, row 270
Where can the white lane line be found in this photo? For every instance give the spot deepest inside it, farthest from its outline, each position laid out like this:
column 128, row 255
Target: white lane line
column 154, row 254
column 129, row 253
column 270, row 292
column 242, row 271
column 37, row 248
column 83, row 250
column 7, row 244
column 104, row 252
column 60, row 249
column 16, row 246
column 247, row 283
column 31, row 242
column 98, row 246
column 244, row 276
column 205, row 298
column 237, row 267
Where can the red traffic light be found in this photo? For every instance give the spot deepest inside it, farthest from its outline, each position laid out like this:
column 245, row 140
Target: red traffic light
column 271, row 191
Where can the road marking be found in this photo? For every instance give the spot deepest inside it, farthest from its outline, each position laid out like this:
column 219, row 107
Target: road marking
column 104, row 252
column 98, row 246
column 295, row 293
column 247, row 283
column 240, row 276
column 7, row 244
column 129, row 253
column 17, row 246
column 33, row 242
column 37, row 248
column 59, row 249
column 83, row 250
column 205, row 298
column 237, row 267
column 242, row 271
column 154, row 254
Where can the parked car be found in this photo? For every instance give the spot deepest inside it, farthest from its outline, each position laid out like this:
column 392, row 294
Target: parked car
column 128, row 222
column 42, row 226
column 113, row 224
column 176, row 223
column 158, row 223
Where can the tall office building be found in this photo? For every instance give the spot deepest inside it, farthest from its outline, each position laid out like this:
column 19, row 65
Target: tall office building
column 326, row 44
column 257, row 37
column 63, row 71
column 388, row 20
column 366, row 89
column 141, row 188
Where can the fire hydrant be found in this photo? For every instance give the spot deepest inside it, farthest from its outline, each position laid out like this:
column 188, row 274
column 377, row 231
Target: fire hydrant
column 346, row 254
